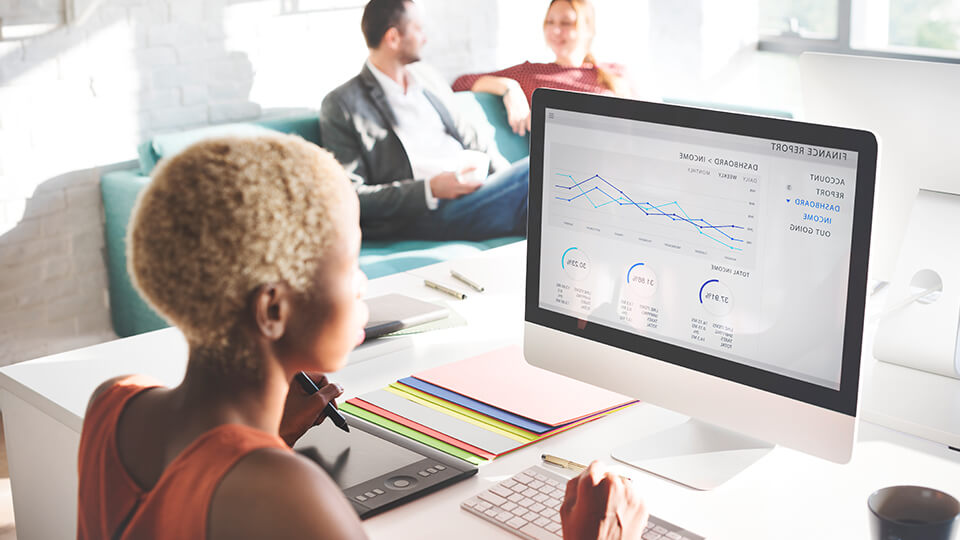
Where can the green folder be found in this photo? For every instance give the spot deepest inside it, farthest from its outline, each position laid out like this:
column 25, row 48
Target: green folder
column 411, row 433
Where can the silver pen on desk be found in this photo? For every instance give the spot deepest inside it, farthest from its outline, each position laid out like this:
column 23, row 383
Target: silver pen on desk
column 473, row 284
column 452, row 292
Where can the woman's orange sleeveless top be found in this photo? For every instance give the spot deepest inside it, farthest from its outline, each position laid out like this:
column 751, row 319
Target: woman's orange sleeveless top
column 113, row 506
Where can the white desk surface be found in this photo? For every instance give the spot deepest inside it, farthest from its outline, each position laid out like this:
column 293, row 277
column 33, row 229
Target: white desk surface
column 785, row 495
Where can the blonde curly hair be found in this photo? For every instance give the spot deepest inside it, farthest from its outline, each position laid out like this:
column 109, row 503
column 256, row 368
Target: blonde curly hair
column 225, row 216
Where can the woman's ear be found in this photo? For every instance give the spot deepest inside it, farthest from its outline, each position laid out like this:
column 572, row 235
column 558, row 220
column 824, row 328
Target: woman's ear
column 271, row 309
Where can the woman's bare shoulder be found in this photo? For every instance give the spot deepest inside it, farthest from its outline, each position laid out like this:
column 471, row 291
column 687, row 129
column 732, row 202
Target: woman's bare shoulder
column 274, row 493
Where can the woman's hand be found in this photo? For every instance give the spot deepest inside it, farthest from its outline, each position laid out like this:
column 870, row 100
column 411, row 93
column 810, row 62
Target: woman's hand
column 602, row 505
column 518, row 111
column 302, row 411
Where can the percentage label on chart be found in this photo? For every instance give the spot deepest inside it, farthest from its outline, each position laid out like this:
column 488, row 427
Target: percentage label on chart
column 716, row 297
column 575, row 263
column 642, row 280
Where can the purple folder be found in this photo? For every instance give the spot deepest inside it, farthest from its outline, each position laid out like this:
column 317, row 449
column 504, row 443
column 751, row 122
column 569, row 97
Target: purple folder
column 483, row 408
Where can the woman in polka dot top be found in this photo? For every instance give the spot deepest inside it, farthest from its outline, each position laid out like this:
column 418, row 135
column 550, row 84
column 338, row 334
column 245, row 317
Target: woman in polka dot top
column 568, row 30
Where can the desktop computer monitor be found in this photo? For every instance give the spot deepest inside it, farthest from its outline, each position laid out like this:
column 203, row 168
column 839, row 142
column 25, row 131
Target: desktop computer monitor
column 912, row 107
column 707, row 262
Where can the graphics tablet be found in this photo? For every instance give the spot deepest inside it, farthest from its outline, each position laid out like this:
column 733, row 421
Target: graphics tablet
column 377, row 469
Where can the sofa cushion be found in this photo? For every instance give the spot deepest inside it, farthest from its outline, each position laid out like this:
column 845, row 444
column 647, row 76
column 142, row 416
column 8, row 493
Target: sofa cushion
column 171, row 144
column 152, row 151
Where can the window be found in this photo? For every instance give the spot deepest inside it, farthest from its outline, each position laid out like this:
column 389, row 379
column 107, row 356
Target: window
column 919, row 29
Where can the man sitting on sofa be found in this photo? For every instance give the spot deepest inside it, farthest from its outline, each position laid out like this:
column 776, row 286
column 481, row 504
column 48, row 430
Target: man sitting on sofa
column 405, row 146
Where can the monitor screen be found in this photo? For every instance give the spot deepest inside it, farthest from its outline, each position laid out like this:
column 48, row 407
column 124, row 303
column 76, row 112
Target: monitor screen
column 714, row 241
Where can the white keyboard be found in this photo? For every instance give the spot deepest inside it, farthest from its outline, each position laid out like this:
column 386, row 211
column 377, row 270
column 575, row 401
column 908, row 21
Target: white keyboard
column 528, row 505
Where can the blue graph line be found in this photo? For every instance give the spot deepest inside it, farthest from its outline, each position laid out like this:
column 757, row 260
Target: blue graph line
column 650, row 209
column 563, row 257
column 631, row 270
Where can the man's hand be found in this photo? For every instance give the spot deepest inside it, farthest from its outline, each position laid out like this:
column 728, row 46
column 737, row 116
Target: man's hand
column 447, row 185
column 302, row 411
column 602, row 505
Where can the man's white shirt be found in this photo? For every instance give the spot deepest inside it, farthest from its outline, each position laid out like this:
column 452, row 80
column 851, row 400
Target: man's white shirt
column 429, row 147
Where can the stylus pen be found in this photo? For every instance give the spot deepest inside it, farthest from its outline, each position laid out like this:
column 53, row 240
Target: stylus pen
column 571, row 465
column 452, row 292
column 474, row 285
column 330, row 410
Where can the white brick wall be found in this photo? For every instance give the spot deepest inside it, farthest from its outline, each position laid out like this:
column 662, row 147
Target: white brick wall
column 81, row 98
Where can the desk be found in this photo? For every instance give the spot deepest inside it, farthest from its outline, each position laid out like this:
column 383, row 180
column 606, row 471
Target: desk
column 785, row 495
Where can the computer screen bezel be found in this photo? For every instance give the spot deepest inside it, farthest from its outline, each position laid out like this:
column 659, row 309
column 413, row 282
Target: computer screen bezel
column 842, row 400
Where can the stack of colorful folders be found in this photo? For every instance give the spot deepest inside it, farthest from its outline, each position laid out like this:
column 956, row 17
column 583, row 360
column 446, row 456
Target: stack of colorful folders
column 486, row 406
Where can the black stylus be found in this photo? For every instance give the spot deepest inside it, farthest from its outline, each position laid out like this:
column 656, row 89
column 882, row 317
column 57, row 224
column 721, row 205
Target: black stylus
column 331, row 409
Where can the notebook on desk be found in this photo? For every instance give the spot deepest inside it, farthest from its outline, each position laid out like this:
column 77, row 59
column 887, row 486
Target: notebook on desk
column 392, row 312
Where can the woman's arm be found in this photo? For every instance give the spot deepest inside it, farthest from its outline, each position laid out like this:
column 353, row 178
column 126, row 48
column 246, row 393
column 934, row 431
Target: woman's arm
column 272, row 493
column 518, row 111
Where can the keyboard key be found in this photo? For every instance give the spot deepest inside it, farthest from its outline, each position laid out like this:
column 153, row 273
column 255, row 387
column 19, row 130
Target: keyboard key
column 519, row 488
column 537, row 507
column 525, row 502
column 659, row 529
column 439, row 467
column 431, row 470
column 502, row 517
column 369, row 494
column 516, row 522
column 541, row 522
column 553, row 527
column 483, row 506
column 508, row 506
column 536, row 484
column 378, row 491
column 360, row 498
column 552, row 482
column 548, row 512
column 548, row 489
column 557, row 494
column 492, row 498
column 551, row 503
column 508, row 483
column 673, row 536
column 540, row 477
column 651, row 535
column 516, row 497
column 538, row 533
column 530, row 516
column 522, row 478
column 540, row 498
column 501, row 491
column 493, row 512
column 530, row 492
column 424, row 473
column 519, row 511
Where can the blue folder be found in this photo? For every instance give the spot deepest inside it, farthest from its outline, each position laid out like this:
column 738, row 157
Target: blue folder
column 483, row 408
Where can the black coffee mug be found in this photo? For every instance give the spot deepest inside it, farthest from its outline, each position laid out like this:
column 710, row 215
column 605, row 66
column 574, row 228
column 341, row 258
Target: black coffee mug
column 913, row 513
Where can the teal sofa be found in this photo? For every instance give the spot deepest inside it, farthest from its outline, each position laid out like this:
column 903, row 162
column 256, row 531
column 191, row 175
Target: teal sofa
column 119, row 189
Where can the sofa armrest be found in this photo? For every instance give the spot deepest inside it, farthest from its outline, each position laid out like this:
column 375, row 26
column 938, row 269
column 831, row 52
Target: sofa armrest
column 128, row 312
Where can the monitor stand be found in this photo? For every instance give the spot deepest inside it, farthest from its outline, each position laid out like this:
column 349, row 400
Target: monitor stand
column 696, row 454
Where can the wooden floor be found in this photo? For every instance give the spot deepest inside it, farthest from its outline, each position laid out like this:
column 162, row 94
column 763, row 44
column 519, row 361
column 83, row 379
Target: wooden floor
column 8, row 530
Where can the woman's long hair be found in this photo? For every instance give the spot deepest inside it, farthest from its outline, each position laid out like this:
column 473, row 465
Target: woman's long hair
column 586, row 20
